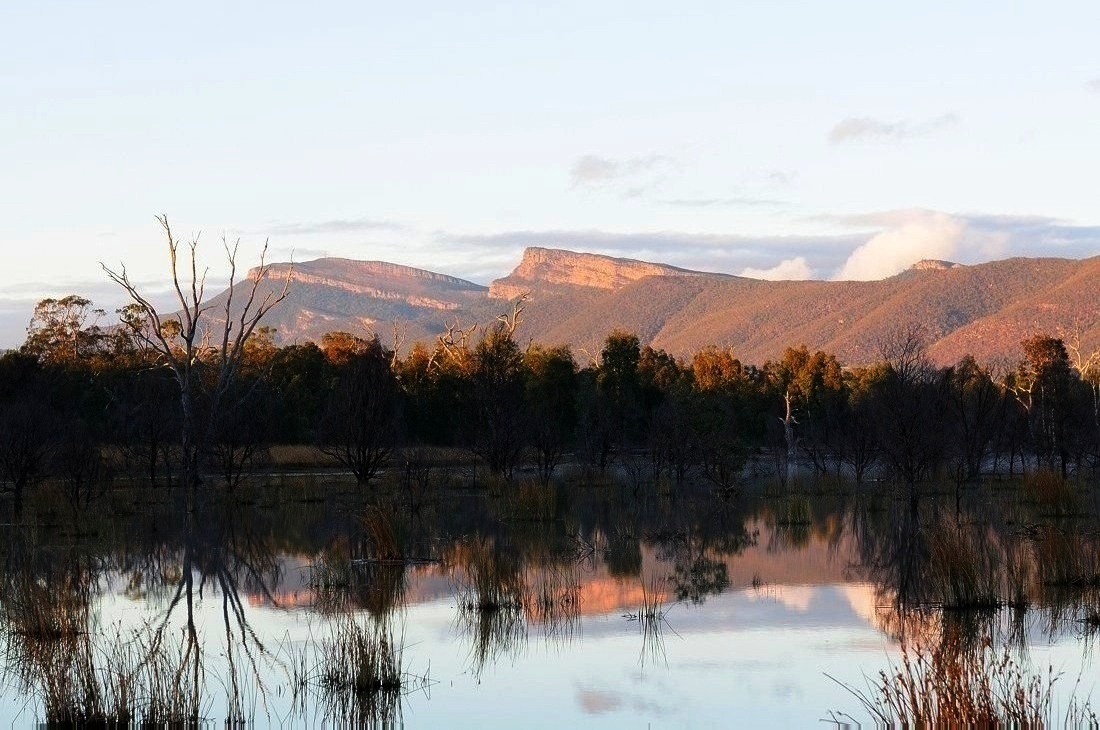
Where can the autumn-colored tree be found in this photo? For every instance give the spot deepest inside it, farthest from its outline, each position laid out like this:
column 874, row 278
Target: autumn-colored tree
column 1048, row 388
column 64, row 331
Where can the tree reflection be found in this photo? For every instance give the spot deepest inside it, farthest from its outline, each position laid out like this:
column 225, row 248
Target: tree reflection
column 82, row 672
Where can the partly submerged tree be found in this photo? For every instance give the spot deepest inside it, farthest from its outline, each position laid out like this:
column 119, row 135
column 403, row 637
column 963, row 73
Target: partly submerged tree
column 550, row 404
column 909, row 409
column 203, row 353
column 361, row 420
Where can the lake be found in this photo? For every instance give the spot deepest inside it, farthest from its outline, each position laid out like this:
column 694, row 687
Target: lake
column 307, row 601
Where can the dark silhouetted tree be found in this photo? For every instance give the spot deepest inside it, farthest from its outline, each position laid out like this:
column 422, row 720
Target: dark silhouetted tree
column 361, row 422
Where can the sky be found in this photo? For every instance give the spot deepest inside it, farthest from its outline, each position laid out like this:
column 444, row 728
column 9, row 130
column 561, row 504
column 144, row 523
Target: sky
column 769, row 139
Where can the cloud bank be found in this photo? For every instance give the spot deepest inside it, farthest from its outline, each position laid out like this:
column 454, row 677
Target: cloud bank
column 908, row 236
column 931, row 236
column 795, row 269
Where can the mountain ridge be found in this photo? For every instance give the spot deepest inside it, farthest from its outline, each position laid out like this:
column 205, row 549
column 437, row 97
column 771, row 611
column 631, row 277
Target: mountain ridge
column 576, row 298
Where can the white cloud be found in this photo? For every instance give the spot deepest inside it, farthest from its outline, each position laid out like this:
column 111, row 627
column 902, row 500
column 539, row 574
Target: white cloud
column 913, row 235
column 854, row 129
column 796, row 268
column 931, row 236
column 1094, row 84
column 597, row 170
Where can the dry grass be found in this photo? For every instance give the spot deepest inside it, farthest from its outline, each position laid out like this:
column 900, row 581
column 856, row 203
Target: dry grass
column 1066, row 559
column 109, row 679
column 965, row 568
column 530, row 500
column 952, row 686
column 361, row 662
column 1049, row 490
column 652, row 620
column 382, row 534
column 300, row 456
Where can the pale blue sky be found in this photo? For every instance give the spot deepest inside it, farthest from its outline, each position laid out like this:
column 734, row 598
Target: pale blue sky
column 732, row 136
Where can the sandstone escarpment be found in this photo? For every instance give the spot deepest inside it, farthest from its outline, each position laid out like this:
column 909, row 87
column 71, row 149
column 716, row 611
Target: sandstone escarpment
column 934, row 265
column 379, row 280
column 550, row 269
column 981, row 309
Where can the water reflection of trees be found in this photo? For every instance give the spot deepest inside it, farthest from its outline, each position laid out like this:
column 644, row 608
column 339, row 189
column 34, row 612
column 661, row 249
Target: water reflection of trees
column 978, row 571
column 81, row 671
column 986, row 568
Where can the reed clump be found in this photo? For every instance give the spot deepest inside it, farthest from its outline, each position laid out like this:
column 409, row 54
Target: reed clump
column 360, row 660
column 1051, row 490
column 651, row 618
column 383, row 538
column 1065, row 558
column 794, row 521
column 110, row 679
column 965, row 570
column 553, row 601
column 489, row 582
column 531, row 500
column 359, row 674
column 949, row 685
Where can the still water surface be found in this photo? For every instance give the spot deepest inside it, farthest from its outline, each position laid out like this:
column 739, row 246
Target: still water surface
column 584, row 606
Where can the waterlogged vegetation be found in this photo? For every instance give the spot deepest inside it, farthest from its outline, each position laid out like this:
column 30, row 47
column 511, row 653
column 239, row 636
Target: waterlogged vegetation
column 302, row 600
column 201, row 527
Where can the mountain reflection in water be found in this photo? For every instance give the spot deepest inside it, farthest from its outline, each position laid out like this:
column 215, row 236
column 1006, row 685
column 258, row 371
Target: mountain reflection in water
column 305, row 602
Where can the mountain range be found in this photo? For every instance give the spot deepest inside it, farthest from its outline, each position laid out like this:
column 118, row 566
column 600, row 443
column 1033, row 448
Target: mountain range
column 578, row 298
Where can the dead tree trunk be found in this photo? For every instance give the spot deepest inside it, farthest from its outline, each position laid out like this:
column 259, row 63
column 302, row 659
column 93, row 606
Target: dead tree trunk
column 204, row 372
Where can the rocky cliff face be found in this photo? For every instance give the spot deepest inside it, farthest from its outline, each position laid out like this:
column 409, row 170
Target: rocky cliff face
column 379, row 280
column 551, row 269
column 934, row 265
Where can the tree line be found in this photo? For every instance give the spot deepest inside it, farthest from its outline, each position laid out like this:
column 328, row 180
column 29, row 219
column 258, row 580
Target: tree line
column 80, row 403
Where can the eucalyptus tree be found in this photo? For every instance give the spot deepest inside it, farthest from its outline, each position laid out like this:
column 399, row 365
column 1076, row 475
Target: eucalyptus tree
column 204, row 353
column 64, row 331
column 1050, row 390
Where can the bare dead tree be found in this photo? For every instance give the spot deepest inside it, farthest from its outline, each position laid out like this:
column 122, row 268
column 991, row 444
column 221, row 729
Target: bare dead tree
column 454, row 343
column 511, row 321
column 205, row 373
column 1087, row 365
column 400, row 334
column 790, row 458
